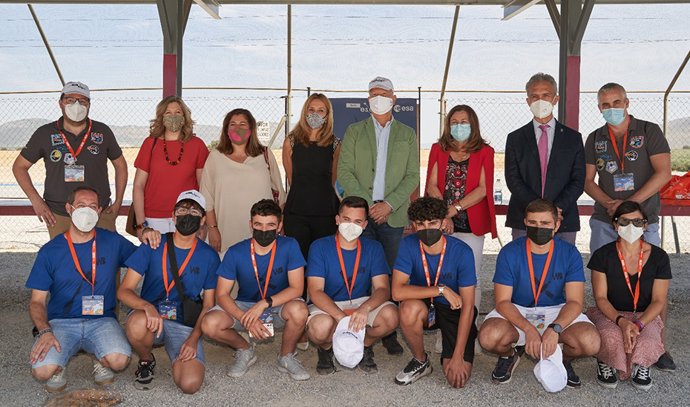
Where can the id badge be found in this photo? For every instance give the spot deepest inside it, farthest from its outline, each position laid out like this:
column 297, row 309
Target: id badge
column 431, row 318
column 92, row 305
column 168, row 310
column 267, row 320
column 624, row 182
column 74, row 173
column 538, row 320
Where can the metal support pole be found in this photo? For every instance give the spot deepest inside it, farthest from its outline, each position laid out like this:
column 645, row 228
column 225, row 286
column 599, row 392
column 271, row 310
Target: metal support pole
column 173, row 16
column 308, row 91
column 447, row 68
column 45, row 42
column 288, row 100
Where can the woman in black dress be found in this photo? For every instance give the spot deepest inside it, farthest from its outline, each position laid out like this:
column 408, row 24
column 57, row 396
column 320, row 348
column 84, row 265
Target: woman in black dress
column 310, row 158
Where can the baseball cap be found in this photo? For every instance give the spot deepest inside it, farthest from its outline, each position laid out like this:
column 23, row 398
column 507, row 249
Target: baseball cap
column 192, row 195
column 78, row 88
column 348, row 346
column 381, row 83
column 551, row 373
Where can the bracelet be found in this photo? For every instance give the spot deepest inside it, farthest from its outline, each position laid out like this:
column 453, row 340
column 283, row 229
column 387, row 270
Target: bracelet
column 212, row 226
column 640, row 324
column 44, row 331
column 618, row 318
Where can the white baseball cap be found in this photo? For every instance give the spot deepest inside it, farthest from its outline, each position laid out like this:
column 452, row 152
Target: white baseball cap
column 551, row 373
column 381, row 83
column 78, row 88
column 192, row 195
column 348, row 346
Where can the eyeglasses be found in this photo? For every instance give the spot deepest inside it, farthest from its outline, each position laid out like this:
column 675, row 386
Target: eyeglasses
column 181, row 211
column 79, row 206
column 637, row 222
column 70, row 100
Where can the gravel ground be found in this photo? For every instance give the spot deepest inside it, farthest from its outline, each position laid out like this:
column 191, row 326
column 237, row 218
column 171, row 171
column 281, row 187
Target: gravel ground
column 345, row 387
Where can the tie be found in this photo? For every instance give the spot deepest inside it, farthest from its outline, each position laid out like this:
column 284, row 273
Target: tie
column 543, row 146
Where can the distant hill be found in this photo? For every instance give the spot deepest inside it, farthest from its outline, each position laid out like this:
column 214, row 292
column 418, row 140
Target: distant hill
column 678, row 132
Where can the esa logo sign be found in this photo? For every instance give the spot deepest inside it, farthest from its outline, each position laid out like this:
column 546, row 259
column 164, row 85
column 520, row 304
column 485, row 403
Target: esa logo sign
column 397, row 108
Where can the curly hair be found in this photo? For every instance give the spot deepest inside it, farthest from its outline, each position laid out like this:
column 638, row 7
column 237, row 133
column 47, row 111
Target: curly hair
column 426, row 209
column 157, row 129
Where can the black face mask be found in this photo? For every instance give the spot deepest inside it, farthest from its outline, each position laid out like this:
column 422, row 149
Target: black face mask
column 188, row 224
column 540, row 236
column 264, row 237
column 429, row 236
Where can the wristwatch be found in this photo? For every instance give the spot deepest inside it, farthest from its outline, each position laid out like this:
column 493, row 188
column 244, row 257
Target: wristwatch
column 142, row 225
column 269, row 301
column 556, row 328
column 441, row 288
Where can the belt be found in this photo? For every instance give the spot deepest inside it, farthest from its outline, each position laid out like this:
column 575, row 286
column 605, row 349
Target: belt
column 379, row 201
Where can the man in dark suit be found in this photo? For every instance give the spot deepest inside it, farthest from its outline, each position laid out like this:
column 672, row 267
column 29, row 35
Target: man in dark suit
column 544, row 159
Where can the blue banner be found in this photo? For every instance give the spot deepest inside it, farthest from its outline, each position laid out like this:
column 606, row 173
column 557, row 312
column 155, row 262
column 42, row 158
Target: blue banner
column 351, row 110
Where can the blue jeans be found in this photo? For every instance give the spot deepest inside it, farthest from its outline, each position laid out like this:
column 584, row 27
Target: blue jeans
column 97, row 336
column 603, row 233
column 276, row 313
column 388, row 236
column 173, row 337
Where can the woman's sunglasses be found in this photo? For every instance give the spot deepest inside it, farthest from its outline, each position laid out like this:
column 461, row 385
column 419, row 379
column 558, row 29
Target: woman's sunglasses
column 637, row 222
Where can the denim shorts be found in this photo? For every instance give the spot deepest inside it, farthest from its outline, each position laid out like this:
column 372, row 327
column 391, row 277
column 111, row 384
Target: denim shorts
column 276, row 313
column 97, row 336
column 173, row 336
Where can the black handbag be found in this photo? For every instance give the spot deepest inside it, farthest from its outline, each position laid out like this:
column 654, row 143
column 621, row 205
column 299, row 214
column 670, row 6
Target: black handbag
column 191, row 307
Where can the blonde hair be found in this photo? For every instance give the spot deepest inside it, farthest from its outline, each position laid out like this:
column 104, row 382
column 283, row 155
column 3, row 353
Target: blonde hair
column 157, row 129
column 300, row 133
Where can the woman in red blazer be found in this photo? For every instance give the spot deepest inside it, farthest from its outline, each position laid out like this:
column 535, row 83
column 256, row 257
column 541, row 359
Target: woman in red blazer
column 461, row 172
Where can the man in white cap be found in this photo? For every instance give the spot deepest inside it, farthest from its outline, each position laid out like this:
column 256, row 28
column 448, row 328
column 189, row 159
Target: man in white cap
column 179, row 287
column 379, row 161
column 348, row 275
column 75, row 150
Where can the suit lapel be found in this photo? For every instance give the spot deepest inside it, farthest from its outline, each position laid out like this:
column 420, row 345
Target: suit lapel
column 558, row 141
column 530, row 140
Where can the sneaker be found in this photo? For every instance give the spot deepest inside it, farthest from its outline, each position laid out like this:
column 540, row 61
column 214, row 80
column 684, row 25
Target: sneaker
column 505, row 366
column 143, row 377
column 391, row 344
column 573, row 379
column 101, row 374
column 367, row 363
column 325, row 364
column 606, row 375
column 665, row 363
column 244, row 358
column 288, row 364
column 438, row 346
column 57, row 382
column 640, row 377
column 414, row 371
column 303, row 346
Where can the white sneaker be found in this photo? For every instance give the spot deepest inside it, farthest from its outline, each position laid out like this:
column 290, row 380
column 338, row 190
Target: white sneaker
column 101, row 374
column 438, row 347
column 288, row 364
column 57, row 382
column 244, row 358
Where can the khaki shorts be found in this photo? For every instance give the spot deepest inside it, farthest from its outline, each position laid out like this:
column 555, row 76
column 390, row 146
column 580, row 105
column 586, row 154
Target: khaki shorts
column 62, row 223
column 347, row 304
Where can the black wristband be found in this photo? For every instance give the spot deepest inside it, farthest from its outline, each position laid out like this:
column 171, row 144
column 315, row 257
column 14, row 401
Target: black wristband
column 269, row 301
column 43, row 332
column 618, row 318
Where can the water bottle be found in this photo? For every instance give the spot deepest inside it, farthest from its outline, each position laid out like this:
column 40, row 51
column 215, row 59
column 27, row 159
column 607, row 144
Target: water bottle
column 498, row 192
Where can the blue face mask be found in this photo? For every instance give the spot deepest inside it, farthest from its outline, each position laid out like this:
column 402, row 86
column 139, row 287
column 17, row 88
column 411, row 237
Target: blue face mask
column 614, row 116
column 460, row 132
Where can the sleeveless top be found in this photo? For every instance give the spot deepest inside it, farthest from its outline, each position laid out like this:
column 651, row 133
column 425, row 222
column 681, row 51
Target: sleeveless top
column 311, row 192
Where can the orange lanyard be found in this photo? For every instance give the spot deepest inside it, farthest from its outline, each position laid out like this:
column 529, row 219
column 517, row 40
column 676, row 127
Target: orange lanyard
column 621, row 158
column 426, row 265
column 179, row 274
column 544, row 272
column 636, row 294
column 76, row 260
column 83, row 141
column 349, row 286
column 268, row 272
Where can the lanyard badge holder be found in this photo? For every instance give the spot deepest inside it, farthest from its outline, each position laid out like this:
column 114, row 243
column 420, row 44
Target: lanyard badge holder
column 349, row 286
column 634, row 293
column 90, row 304
column 266, row 317
column 431, row 316
column 168, row 309
column 538, row 319
column 73, row 172
column 622, row 182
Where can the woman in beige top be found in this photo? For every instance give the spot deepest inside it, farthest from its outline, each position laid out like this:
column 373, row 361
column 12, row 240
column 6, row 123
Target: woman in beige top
column 238, row 173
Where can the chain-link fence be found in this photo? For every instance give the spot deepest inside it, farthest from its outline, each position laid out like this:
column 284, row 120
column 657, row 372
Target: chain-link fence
column 129, row 112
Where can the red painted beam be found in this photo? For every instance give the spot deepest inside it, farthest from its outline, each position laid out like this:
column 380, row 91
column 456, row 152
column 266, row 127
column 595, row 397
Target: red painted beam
column 169, row 75
column 572, row 106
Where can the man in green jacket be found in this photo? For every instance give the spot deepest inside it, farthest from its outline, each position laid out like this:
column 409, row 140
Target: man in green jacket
column 379, row 161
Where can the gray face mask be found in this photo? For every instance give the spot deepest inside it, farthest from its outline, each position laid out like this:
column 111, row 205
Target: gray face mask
column 173, row 122
column 315, row 121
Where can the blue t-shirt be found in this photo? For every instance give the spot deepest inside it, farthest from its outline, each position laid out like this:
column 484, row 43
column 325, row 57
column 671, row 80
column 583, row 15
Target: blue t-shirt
column 324, row 263
column 458, row 265
column 54, row 271
column 199, row 274
column 237, row 266
column 512, row 270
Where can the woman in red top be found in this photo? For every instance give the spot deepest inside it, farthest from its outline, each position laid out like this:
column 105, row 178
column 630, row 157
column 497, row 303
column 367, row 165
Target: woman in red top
column 461, row 172
column 169, row 161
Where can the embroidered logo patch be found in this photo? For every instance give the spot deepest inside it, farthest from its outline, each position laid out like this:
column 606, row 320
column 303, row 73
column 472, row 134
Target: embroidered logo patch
column 600, row 146
column 97, row 138
column 636, row 141
column 600, row 164
column 56, row 140
column 631, row 155
column 611, row 167
column 93, row 149
column 55, row 156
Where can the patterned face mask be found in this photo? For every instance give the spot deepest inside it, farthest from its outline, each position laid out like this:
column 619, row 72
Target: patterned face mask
column 315, row 121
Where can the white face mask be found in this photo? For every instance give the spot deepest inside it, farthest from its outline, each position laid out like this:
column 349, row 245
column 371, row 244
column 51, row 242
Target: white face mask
column 541, row 108
column 85, row 219
column 76, row 112
column 630, row 233
column 349, row 231
column 380, row 104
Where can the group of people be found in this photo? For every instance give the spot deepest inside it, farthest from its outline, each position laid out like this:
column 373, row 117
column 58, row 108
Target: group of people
column 335, row 270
